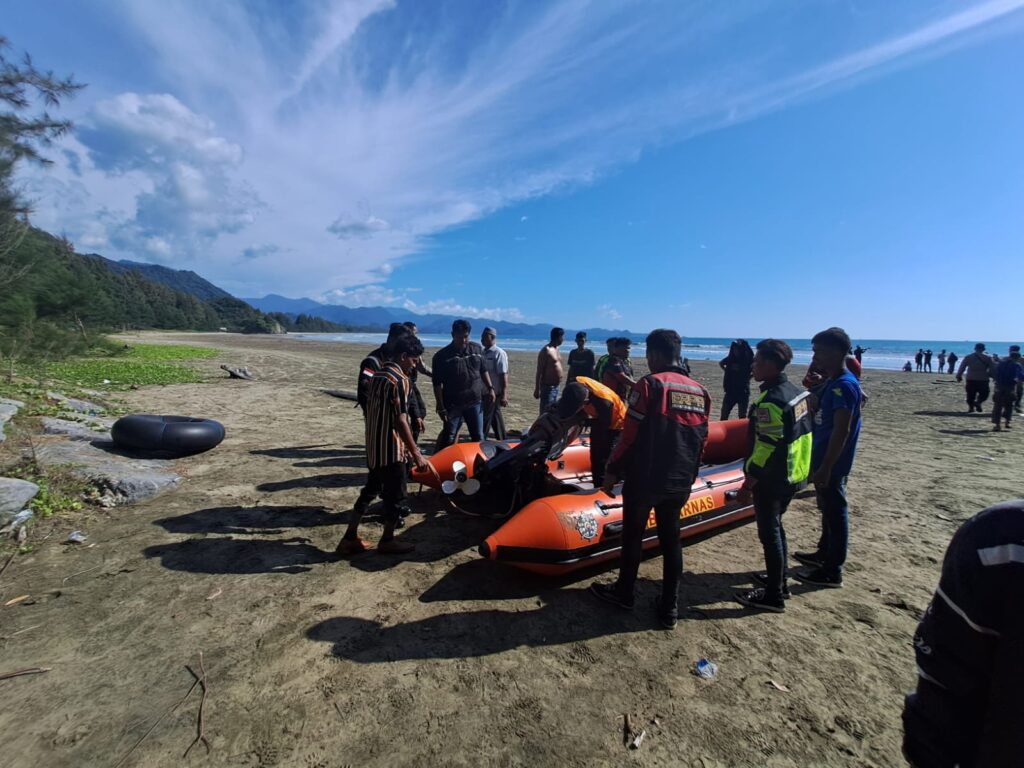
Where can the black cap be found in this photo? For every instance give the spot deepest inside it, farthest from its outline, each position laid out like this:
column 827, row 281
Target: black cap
column 572, row 400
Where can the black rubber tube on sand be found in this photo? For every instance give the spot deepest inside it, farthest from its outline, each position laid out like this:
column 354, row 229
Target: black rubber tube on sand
column 177, row 435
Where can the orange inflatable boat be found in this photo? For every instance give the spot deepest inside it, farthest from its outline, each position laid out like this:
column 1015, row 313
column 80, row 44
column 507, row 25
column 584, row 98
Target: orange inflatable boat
column 559, row 521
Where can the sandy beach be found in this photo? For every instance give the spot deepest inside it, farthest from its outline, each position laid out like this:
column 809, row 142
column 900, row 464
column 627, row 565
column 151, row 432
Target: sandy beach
column 444, row 659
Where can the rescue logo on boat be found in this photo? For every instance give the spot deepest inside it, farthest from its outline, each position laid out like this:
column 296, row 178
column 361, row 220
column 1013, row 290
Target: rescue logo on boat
column 586, row 525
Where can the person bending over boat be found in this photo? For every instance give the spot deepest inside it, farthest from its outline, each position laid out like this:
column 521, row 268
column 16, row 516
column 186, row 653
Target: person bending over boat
column 969, row 646
column 388, row 441
column 658, row 455
column 588, row 398
column 834, row 444
column 777, row 467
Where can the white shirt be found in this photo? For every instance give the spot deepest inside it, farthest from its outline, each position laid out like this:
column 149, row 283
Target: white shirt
column 496, row 365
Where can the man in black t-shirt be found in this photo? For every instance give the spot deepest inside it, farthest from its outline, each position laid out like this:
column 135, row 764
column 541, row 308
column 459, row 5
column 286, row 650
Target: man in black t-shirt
column 581, row 359
column 461, row 383
column 618, row 373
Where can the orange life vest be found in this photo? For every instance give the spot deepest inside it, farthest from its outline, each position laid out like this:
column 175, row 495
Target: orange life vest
column 597, row 389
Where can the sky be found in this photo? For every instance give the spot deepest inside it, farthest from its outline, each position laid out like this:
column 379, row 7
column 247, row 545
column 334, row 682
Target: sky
column 741, row 168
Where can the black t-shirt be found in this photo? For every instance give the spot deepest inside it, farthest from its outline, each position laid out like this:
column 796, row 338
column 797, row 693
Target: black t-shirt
column 459, row 372
column 581, row 363
column 617, row 365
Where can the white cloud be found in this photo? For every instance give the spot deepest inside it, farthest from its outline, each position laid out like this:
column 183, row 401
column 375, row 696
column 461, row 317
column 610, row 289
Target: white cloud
column 608, row 311
column 350, row 144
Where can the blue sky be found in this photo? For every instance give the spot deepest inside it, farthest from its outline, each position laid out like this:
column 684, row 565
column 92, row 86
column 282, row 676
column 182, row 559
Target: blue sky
column 729, row 168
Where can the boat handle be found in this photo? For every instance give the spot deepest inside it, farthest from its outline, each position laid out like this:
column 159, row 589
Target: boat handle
column 613, row 529
column 605, row 507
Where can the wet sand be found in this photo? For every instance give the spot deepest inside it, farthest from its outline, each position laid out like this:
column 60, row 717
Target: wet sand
column 442, row 658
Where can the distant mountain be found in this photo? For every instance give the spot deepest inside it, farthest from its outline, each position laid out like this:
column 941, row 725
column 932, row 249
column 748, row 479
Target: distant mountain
column 185, row 281
column 379, row 318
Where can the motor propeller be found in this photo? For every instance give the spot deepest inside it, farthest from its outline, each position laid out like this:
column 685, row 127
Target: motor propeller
column 462, row 482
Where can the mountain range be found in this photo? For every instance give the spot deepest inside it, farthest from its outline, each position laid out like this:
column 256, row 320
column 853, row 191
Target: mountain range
column 379, row 318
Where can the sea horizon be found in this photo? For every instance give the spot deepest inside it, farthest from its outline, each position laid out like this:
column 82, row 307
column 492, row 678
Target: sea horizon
column 880, row 354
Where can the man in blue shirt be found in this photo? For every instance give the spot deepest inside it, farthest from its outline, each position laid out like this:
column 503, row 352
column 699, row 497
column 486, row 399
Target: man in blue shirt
column 835, row 433
column 1008, row 376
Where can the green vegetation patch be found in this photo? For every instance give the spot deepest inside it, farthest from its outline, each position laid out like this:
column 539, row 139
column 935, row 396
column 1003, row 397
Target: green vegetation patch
column 168, row 352
column 119, row 373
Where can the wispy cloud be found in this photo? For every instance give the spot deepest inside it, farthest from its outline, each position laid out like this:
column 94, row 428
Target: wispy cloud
column 353, row 135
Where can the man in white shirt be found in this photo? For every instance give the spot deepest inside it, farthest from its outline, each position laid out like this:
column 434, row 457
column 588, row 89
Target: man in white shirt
column 496, row 365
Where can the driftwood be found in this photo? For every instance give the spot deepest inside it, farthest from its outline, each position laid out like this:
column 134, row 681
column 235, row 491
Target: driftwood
column 20, row 672
column 239, row 373
column 344, row 394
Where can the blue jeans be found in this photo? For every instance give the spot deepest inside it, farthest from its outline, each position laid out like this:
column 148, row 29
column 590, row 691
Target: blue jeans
column 548, row 397
column 473, row 415
column 768, row 509
column 835, row 526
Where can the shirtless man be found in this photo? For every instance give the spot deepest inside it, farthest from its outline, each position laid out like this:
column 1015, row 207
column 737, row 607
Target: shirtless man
column 549, row 371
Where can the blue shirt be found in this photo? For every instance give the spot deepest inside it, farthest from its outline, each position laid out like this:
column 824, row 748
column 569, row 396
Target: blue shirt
column 840, row 393
column 1008, row 373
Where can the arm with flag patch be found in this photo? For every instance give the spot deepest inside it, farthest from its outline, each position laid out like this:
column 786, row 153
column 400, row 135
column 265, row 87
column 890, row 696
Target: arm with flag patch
column 367, row 368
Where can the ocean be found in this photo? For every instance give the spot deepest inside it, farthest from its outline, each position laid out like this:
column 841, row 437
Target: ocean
column 884, row 354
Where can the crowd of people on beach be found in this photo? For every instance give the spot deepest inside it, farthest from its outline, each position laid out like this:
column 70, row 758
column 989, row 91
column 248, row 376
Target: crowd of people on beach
column 647, row 434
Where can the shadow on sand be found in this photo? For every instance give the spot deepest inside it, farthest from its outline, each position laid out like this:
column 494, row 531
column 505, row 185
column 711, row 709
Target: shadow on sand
column 229, row 555
column 567, row 616
column 259, row 519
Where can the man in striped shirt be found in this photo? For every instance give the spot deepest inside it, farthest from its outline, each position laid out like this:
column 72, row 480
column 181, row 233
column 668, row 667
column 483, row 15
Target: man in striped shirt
column 389, row 441
column 968, row 709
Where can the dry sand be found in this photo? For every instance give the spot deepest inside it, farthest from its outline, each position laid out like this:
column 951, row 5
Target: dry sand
column 442, row 658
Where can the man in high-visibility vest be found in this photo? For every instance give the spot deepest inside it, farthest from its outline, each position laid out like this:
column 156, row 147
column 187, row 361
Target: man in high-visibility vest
column 587, row 397
column 778, row 465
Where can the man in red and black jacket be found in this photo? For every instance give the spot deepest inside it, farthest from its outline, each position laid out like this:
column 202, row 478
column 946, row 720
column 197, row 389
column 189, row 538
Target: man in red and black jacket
column 658, row 457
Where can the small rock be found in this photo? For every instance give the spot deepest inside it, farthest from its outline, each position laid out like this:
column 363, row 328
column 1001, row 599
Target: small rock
column 8, row 409
column 77, row 537
column 123, row 479
column 17, row 524
column 78, row 431
column 15, row 495
column 73, row 404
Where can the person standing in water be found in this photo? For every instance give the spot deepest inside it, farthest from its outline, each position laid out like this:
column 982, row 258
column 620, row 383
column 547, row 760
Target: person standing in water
column 951, row 361
column 942, row 361
column 928, row 360
column 919, row 361
column 549, row 371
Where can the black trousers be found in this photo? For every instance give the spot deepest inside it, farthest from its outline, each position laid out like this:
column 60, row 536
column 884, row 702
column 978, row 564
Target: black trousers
column 769, row 506
column 977, row 393
column 1019, row 395
column 636, row 509
column 739, row 397
column 494, row 422
column 602, row 441
column 388, row 482
column 1002, row 404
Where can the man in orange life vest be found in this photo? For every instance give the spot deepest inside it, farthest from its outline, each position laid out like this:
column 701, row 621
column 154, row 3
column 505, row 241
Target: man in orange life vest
column 659, row 457
column 586, row 397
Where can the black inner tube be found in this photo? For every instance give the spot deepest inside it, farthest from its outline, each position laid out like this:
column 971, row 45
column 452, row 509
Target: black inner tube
column 175, row 435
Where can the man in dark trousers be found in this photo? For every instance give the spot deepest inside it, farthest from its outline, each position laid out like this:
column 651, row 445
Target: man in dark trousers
column 833, row 447
column 389, row 443
column 417, row 405
column 951, row 361
column 777, row 467
column 969, row 646
column 461, row 384
column 658, row 455
column 1009, row 374
column 978, row 368
column 736, row 381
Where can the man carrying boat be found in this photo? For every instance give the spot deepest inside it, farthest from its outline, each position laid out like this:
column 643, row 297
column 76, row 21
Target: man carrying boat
column 586, row 397
column 659, row 457
column 777, row 466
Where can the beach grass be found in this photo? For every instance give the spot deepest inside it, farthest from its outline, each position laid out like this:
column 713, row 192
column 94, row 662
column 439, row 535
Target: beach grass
column 136, row 365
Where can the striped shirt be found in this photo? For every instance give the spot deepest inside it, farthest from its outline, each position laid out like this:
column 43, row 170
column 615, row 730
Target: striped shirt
column 387, row 400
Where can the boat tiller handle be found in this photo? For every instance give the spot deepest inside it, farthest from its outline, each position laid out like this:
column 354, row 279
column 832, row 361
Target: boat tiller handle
column 732, row 495
column 605, row 507
column 613, row 529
